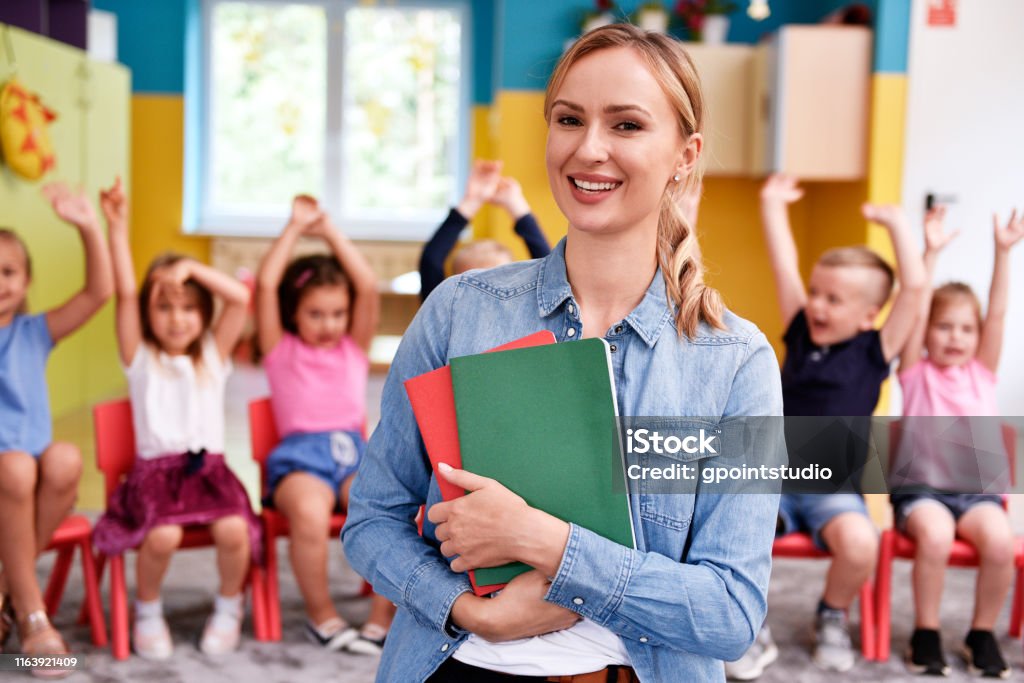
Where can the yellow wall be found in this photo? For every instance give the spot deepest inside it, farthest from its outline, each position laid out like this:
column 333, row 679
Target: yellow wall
column 90, row 137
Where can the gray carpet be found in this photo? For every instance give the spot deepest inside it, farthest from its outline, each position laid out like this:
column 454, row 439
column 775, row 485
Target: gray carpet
column 191, row 581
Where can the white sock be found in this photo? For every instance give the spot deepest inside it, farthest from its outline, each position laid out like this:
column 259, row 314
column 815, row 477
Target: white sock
column 149, row 616
column 231, row 607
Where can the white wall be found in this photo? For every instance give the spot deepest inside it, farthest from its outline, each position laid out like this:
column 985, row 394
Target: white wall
column 965, row 137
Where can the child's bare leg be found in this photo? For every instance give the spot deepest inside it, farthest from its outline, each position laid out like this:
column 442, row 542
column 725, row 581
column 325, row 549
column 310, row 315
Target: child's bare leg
column 851, row 538
column 932, row 527
column 60, row 467
column 307, row 501
column 154, row 556
column 19, row 473
column 231, row 536
column 987, row 527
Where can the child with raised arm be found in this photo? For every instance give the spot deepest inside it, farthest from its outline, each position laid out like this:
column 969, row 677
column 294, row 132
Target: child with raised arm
column 949, row 369
column 315, row 319
column 38, row 476
column 835, row 364
column 485, row 185
column 176, row 355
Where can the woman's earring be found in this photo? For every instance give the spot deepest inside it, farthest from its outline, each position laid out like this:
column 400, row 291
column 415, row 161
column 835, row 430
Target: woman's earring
column 676, row 177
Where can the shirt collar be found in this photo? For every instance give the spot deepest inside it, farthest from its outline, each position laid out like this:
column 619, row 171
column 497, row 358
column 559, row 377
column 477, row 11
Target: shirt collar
column 648, row 318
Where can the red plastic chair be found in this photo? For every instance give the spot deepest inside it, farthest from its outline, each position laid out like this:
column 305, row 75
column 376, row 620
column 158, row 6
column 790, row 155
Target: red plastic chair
column 898, row 545
column 76, row 532
column 263, row 433
column 801, row 545
column 115, row 454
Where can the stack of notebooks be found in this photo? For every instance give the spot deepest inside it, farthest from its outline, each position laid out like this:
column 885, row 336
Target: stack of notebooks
column 540, row 418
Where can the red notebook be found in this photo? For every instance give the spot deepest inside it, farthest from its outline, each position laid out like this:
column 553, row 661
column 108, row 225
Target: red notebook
column 433, row 404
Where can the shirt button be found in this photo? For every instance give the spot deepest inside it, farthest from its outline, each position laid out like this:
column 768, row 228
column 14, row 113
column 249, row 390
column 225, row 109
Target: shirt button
column 444, row 648
column 577, row 601
column 572, row 310
column 643, row 639
column 618, row 329
column 571, row 332
column 613, row 348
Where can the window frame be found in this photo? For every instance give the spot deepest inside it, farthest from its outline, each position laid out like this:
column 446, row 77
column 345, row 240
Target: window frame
column 202, row 218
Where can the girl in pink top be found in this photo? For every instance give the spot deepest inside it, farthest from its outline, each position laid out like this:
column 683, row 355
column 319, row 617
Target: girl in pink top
column 955, row 379
column 315, row 320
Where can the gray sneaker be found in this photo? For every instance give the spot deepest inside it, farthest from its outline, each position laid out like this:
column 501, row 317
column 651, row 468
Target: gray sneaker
column 833, row 650
column 753, row 662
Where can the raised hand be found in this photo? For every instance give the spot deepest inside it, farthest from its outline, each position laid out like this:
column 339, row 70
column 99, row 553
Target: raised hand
column 1009, row 234
column 480, row 186
column 781, row 189
column 890, row 216
column 71, row 206
column 508, row 194
column 114, row 204
column 305, row 211
column 935, row 237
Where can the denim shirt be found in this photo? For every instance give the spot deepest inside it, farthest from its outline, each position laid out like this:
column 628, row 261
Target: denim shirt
column 694, row 590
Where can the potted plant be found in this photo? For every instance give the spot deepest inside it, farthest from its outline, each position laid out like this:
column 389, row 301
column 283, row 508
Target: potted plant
column 706, row 20
column 602, row 15
column 651, row 16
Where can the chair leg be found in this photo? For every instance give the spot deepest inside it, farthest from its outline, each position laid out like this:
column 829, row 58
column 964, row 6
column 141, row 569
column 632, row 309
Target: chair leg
column 98, row 562
column 273, row 597
column 868, row 627
column 119, row 608
column 58, row 579
column 883, row 597
column 258, row 589
column 1017, row 606
column 93, row 603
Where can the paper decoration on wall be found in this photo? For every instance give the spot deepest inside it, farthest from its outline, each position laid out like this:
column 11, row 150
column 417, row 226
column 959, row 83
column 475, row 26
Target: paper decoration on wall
column 24, row 137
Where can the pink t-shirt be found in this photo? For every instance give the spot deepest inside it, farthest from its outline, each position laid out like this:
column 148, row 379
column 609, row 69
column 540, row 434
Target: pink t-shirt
column 941, row 445
column 317, row 390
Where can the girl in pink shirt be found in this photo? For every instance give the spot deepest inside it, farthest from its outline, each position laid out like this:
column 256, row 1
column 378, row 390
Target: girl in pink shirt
column 315, row 320
column 955, row 379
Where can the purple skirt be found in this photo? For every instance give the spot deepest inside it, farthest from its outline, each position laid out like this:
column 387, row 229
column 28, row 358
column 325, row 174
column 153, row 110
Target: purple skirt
column 173, row 489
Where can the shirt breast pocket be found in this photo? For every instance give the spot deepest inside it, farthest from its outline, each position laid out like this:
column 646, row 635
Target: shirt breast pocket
column 664, row 458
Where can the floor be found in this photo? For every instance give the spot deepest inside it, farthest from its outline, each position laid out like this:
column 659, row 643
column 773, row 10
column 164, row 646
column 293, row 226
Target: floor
column 192, row 578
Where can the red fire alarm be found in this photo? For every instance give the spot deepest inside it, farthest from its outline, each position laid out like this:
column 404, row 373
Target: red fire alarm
column 942, row 12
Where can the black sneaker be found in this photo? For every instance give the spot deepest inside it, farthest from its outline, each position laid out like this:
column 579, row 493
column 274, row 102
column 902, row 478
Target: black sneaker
column 924, row 656
column 983, row 656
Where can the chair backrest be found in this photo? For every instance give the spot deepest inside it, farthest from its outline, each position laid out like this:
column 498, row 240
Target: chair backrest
column 115, row 441
column 1009, row 442
column 262, row 434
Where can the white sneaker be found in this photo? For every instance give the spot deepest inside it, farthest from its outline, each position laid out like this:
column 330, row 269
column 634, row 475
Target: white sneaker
column 152, row 639
column 833, row 650
column 222, row 634
column 754, row 661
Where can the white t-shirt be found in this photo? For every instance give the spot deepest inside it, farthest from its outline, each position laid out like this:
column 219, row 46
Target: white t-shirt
column 177, row 405
column 583, row 648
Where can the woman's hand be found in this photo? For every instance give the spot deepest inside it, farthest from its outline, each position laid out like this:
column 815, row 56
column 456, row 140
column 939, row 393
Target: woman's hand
column 480, row 527
column 518, row 611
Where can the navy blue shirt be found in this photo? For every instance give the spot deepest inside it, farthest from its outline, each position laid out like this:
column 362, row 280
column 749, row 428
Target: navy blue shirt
column 842, row 379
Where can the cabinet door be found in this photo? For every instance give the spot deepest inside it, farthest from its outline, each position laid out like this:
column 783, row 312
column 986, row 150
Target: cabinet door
column 725, row 73
column 821, row 103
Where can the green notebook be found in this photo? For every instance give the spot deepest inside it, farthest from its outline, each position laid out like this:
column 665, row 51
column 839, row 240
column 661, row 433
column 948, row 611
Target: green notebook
column 542, row 421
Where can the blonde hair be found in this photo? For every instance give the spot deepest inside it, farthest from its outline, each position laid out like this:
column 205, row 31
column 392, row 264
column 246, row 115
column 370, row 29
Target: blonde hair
column 8, row 235
column 480, row 254
column 677, row 250
column 951, row 293
column 862, row 257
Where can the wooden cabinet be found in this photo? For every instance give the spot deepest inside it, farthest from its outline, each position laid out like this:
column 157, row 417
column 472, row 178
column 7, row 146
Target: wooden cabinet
column 811, row 102
column 726, row 78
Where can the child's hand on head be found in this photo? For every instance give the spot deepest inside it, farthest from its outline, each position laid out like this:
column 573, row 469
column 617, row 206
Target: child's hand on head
column 71, row 206
column 1008, row 235
column 781, row 189
column 935, row 238
column 114, row 204
column 889, row 215
column 305, row 211
column 508, row 194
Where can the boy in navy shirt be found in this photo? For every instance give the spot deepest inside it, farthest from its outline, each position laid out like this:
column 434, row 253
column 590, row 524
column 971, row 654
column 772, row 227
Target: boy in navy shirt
column 835, row 364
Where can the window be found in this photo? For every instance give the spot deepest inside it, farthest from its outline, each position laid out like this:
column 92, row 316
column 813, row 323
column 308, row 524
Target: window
column 364, row 106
